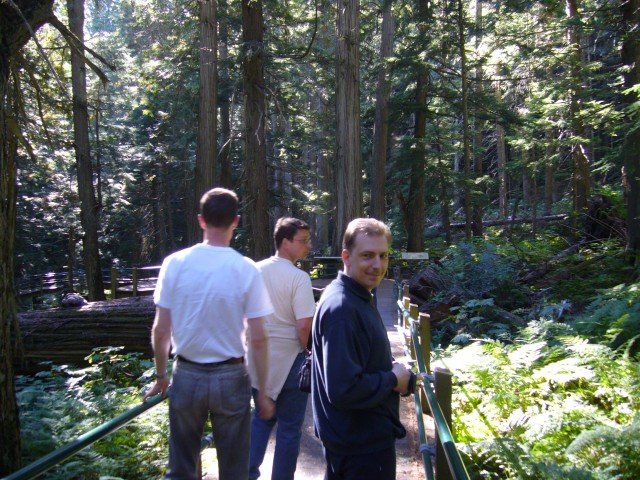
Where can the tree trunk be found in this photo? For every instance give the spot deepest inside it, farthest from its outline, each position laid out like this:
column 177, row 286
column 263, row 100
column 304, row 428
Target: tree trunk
column 501, row 153
column 381, row 126
column 532, row 195
column 323, row 182
column 206, row 155
column 348, row 172
column 549, row 173
column 415, row 208
column 631, row 152
column 478, row 210
column 96, row 123
column 160, row 214
column 88, row 205
column 444, row 193
column 581, row 173
column 71, row 258
column 14, row 34
column 507, row 221
column 255, row 117
column 9, row 420
column 224, row 160
column 465, row 119
column 68, row 335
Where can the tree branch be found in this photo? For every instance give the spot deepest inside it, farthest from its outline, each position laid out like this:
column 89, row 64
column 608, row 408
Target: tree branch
column 40, row 49
column 79, row 48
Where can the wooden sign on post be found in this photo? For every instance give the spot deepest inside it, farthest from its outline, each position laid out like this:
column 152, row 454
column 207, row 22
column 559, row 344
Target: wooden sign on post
column 415, row 255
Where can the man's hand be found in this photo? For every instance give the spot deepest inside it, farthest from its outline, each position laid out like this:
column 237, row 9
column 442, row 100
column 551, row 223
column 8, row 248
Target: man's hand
column 403, row 375
column 160, row 386
column 266, row 407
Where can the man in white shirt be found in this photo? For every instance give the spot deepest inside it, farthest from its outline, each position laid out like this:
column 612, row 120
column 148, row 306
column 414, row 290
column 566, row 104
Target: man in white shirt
column 204, row 295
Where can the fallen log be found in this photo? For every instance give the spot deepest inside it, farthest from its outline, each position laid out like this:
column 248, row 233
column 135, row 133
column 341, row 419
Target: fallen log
column 505, row 221
column 68, row 335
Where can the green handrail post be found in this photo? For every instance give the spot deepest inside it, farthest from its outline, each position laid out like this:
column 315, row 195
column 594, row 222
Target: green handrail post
column 443, row 390
column 424, row 446
column 83, row 441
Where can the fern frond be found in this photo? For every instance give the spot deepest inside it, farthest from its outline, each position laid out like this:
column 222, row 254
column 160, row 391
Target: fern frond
column 610, row 451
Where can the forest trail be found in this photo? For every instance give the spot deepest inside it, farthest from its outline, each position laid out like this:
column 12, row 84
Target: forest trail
column 311, row 461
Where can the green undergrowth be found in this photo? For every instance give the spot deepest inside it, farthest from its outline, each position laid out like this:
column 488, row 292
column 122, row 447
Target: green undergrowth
column 544, row 345
column 60, row 403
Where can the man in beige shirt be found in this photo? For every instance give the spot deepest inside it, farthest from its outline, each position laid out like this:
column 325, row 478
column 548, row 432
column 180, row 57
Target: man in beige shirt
column 288, row 330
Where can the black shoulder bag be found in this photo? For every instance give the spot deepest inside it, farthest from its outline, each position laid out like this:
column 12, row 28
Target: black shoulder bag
column 304, row 374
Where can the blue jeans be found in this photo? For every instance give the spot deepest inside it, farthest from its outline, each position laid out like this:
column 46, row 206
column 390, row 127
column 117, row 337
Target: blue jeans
column 290, row 409
column 222, row 392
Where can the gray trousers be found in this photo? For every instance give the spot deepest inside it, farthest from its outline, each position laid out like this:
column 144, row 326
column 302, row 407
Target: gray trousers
column 222, row 392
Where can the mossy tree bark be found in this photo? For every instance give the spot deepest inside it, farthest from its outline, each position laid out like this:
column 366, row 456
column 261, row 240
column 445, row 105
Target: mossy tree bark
column 18, row 20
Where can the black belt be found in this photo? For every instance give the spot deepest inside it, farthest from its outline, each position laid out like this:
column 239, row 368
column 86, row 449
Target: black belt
column 228, row 361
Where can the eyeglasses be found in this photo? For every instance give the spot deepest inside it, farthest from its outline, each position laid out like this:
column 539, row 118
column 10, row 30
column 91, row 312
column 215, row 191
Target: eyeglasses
column 302, row 240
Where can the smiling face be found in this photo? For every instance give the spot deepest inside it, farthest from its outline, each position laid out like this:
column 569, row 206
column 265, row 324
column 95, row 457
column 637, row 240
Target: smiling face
column 368, row 260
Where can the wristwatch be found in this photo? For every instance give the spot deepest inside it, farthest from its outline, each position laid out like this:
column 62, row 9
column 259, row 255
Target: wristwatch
column 411, row 387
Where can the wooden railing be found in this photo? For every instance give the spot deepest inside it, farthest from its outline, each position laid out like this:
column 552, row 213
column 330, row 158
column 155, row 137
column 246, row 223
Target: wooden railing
column 133, row 282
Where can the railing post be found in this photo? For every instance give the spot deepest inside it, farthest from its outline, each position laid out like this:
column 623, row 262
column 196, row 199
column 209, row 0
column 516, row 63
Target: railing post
column 404, row 294
column 443, row 390
column 134, row 282
column 425, row 345
column 406, row 304
column 425, row 339
column 413, row 313
column 114, row 283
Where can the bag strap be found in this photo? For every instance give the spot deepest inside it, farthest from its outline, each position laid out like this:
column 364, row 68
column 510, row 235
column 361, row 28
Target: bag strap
column 309, row 342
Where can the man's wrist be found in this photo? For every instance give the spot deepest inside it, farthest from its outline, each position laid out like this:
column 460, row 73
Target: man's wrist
column 161, row 376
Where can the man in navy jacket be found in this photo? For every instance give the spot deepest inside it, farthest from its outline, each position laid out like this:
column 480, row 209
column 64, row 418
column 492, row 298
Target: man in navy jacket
column 355, row 382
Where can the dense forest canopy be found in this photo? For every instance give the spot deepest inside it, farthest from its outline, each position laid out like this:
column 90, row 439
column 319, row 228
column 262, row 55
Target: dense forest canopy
column 541, row 111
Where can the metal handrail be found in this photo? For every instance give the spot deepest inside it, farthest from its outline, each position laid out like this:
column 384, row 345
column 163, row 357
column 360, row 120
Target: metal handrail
column 83, row 441
column 424, row 447
column 456, row 465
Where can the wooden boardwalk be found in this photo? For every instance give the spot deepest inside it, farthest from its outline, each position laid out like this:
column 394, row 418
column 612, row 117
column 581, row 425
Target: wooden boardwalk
column 311, row 463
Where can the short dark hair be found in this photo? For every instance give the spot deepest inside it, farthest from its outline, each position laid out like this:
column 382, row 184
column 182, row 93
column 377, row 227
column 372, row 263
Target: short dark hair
column 287, row 227
column 364, row 226
column 219, row 207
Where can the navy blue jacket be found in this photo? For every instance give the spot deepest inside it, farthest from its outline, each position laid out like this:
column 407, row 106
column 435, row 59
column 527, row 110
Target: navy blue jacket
column 355, row 409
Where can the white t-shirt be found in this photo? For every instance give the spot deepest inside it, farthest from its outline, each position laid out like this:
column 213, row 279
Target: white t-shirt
column 210, row 291
column 292, row 297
